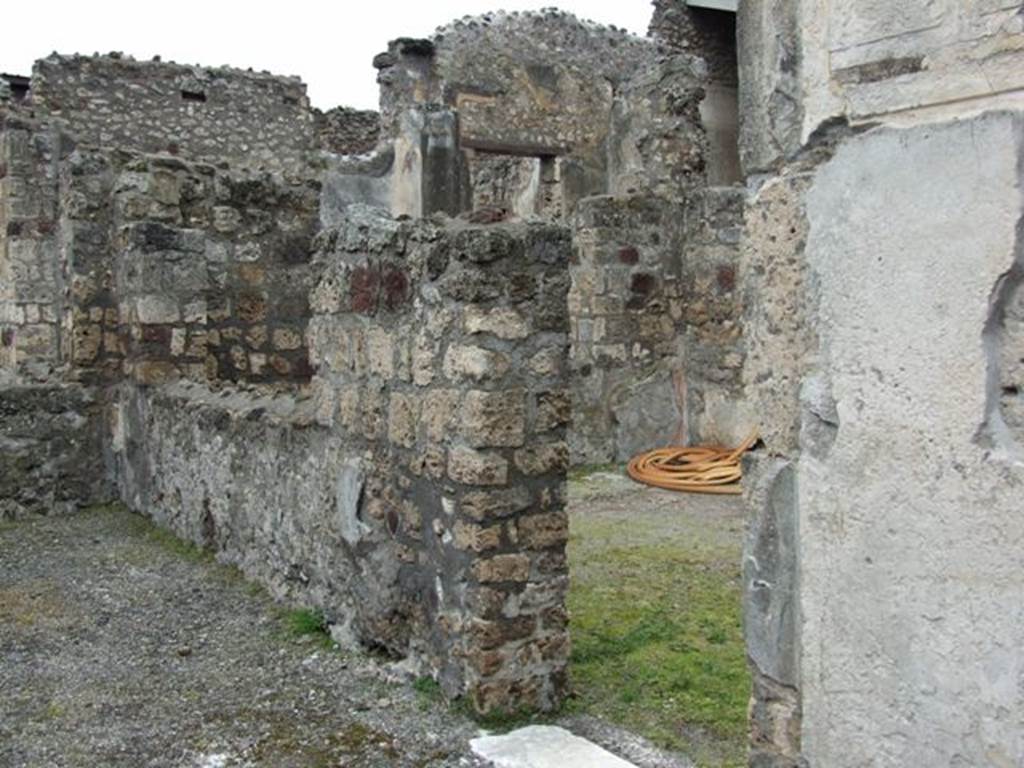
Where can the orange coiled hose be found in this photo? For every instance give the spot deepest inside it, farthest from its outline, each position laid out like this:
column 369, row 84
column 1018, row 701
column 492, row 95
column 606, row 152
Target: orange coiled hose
column 703, row 469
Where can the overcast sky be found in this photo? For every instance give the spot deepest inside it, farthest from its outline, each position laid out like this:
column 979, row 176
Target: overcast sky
column 328, row 44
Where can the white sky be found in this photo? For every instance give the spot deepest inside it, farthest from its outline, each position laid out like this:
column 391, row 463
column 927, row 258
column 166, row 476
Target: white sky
column 329, row 45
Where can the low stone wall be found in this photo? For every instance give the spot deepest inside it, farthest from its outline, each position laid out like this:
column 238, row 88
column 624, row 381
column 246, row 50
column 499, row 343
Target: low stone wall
column 418, row 494
column 51, row 450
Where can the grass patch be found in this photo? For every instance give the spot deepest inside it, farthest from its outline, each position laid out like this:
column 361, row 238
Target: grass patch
column 657, row 636
column 141, row 527
column 428, row 692
column 303, row 623
column 171, row 544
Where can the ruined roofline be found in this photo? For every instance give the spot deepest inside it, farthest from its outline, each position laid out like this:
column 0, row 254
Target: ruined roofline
column 610, row 53
column 549, row 13
column 116, row 58
column 165, row 66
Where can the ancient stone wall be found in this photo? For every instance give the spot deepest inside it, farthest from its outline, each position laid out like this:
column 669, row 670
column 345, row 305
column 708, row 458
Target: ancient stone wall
column 710, row 34
column 545, row 86
column 212, row 271
column 657, row 351
column 249, row 118
column 92, row 338
column 418, row 495
column 52, row 449
column 347, row 131
column 30, row 280
column 179, row 269
column 936, row 542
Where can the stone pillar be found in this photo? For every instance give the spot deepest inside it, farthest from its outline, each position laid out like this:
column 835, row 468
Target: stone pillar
column 442, row 348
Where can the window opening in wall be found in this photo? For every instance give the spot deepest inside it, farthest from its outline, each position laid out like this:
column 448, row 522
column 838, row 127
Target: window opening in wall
column 518, row 185
column 716, row 35
column 187, row 95
column 19, row 85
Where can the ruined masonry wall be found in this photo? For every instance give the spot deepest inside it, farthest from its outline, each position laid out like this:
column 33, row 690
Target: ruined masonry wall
column 52, row 450
column 182, row 270
column 248, row 118
column 30, row 279
column 419, row 494
column 546, row 85
column 212, row 272
column 876, row 600
column 347, row 131
column 810, row 63
column 657, row 349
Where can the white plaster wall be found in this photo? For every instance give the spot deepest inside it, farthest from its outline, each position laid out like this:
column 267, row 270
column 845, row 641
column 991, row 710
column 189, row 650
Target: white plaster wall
column 911, row 532
column 969, row 49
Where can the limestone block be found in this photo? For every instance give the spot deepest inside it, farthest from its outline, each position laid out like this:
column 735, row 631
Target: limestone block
column 178, row 339
column 496, row 419
column 475, row 537
column 380, row 352
column 424, row 350
column 554, row 409
column 287, row 339
column 502, row 568
column 547, row 362
column 484, row 505
column 256, row 337
column 471, row 467
column 35, row 341
column 503, row 322
column 543, row 458
column 543, row 531
column 156, row 309
column 439, row 409
column 152, row 372
column 474, row 363
column 402, row 418
column 87, row 342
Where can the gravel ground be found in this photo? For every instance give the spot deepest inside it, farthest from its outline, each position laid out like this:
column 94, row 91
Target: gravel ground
column 121, row 647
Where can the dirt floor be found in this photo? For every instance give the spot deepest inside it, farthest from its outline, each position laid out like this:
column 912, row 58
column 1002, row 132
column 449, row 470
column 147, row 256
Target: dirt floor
column 121, row 646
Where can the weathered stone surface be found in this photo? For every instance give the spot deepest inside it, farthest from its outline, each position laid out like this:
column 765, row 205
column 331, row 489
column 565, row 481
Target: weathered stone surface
column 477, row 538
column 544, row 746
column 897, row 237
column 472, row 467
column 153, row 106
column 505, row 323
column 494, row 419
column 543, row 458
column 474, row 364
column 484, row 505
column 51, row 450
column 543, row 531
column 657, row 335
column 771, row 610
column 502, row 568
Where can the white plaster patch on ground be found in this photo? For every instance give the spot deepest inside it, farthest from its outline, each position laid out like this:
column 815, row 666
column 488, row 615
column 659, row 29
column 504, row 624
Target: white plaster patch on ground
column 212, row 761
column 544, row 746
